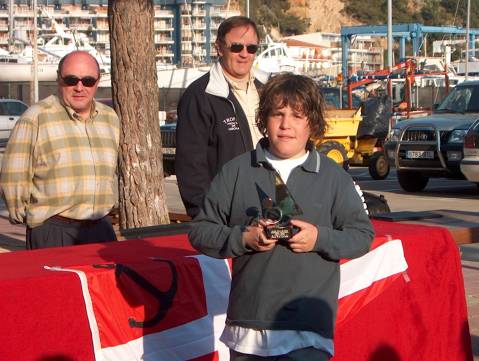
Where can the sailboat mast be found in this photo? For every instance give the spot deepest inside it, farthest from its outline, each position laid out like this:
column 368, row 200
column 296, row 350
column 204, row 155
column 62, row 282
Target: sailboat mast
column 390, row 45
column 390, row 36
column 10, row 28
column 34, row 85
column 467, row 38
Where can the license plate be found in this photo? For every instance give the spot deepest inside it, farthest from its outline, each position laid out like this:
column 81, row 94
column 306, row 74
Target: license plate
column 420, row 154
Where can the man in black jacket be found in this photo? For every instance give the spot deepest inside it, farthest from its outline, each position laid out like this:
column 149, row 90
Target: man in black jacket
column 216, row 114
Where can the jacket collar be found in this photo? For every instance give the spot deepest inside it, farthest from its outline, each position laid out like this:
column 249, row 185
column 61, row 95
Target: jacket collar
column 311, row 164
column 217, row 84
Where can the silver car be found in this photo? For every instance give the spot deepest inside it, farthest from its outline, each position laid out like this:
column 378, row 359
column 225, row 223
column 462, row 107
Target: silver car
column 10, row 111
column 470, row 162
column 432, row 146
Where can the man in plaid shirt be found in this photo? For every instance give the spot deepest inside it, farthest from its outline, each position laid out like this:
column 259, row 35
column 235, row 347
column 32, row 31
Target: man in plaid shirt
column 59, row 169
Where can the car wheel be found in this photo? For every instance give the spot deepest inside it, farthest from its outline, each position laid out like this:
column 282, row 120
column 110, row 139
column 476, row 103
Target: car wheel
column 336, row 152
column 378, row 166
column 412, row 181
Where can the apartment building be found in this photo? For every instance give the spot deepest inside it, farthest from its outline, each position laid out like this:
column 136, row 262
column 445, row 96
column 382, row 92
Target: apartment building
column 184, row 30
column 322, row 52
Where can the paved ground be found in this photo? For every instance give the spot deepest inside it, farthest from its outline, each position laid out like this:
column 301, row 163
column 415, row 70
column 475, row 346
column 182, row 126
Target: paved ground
column 440, row 194
column 470, row 271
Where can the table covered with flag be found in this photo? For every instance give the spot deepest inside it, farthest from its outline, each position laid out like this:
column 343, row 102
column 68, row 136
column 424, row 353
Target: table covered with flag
column 155, row 298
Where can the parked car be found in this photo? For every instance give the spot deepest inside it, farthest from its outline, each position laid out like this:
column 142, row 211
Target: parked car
column 432, row 146
column 470, row 162
column 168, row 141
column 10, row 111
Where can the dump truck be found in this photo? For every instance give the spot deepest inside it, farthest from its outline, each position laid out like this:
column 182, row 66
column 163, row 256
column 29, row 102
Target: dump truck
column 342, row 143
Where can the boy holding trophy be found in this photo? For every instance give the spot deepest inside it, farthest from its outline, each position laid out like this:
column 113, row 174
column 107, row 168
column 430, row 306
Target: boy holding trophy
column 285, row 214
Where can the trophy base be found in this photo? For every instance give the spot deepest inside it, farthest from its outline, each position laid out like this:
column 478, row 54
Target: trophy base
column 280, row 233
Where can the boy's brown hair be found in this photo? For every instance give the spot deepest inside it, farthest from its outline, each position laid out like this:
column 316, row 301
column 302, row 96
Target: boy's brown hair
column 299, row 92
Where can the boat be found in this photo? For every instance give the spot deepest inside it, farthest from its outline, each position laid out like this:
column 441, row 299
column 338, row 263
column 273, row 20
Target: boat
column 169, row 76
column 433, row 69
column 274, row 57
column 17, row 66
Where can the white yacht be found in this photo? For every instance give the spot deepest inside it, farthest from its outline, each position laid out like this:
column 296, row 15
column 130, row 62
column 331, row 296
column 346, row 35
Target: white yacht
column 17, row 66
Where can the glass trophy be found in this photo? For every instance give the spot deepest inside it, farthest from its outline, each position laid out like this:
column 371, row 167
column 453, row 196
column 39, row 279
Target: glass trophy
column 281, row 212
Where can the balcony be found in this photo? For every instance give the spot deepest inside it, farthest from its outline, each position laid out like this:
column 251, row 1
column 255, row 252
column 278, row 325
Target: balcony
column 23, row 24
column 198, row 13
column 199, row 53
column 164, row 14
column 218, row 13
column 101, row 12
column 78, row 12
column 163, row 26
column 163, row 40
column 165, row 54
column 199, row 26
column 80, row 27
column 164, row 29
column 103, row 26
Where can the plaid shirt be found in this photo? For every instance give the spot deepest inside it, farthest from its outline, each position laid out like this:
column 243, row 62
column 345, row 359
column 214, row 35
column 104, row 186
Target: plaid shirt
column 57, row 164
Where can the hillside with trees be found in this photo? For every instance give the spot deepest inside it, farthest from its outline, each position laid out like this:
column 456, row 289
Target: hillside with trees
column 428, row 12
column 289, row 17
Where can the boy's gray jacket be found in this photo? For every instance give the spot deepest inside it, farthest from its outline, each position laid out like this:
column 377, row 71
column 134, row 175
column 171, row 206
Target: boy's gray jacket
column 280, row 289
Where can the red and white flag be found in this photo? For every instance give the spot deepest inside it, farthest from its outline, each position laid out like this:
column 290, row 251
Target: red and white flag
column 174, row 310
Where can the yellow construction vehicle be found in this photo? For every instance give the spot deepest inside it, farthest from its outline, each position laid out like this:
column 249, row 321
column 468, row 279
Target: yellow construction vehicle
column 341, row 143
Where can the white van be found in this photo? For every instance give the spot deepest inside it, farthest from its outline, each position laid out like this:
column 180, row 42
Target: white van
column 10, row 111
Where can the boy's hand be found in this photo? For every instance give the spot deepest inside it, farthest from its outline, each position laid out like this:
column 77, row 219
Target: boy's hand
column 255, row 238
column 305, row 239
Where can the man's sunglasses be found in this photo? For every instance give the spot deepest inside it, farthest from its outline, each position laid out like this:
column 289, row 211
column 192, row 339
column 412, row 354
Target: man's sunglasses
column 72, row 80
column 238, row 48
